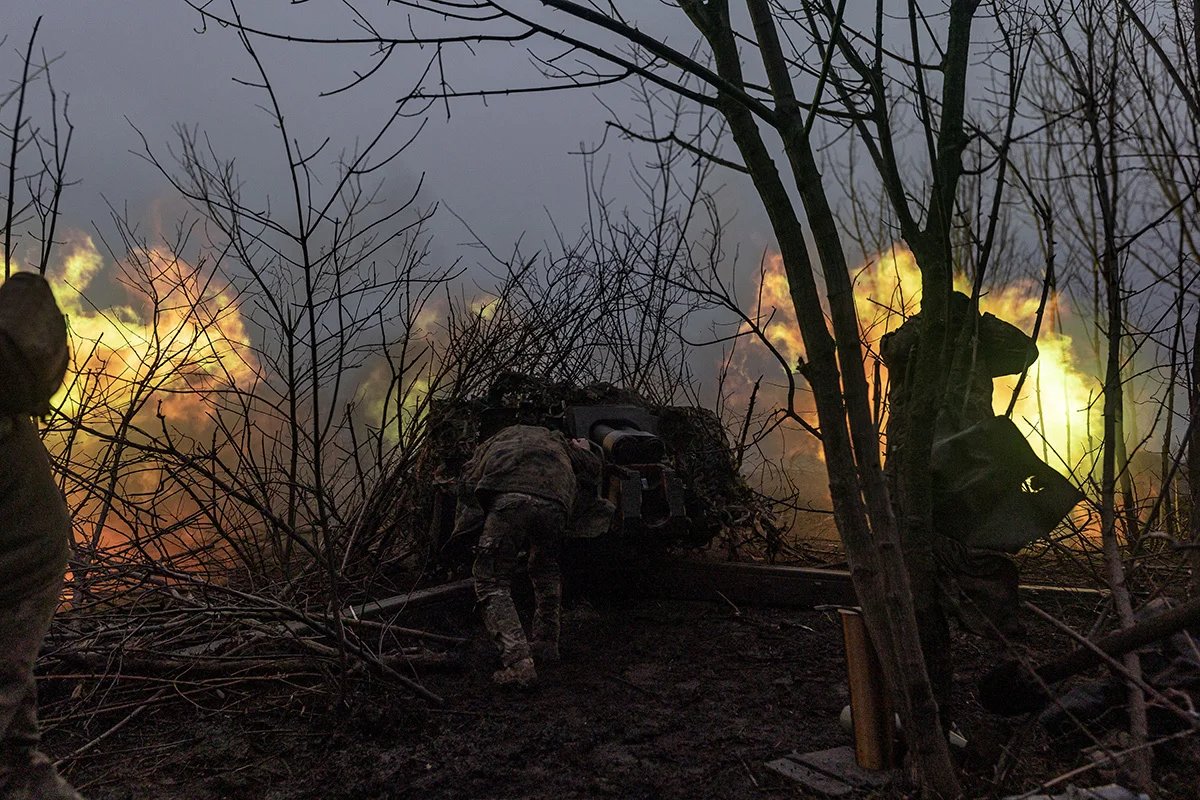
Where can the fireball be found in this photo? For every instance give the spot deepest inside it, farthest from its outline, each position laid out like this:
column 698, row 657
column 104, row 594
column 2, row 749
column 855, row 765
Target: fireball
column 1057, row 404
column 1056, row 407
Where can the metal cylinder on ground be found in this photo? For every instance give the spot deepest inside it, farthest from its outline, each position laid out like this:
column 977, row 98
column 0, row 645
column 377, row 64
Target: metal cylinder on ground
column 870, row 705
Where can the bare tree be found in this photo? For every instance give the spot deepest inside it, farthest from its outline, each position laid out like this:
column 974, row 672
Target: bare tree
column 850, row 78
column 35, row 167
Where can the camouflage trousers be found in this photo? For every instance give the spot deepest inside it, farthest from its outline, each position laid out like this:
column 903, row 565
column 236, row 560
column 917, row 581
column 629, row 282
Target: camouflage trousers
column 513, row 521
column 25, row 772
column 979, row 587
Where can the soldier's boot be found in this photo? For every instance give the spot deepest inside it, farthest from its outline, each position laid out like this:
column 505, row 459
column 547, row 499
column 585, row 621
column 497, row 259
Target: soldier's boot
column 504, row 626
column 521, row 674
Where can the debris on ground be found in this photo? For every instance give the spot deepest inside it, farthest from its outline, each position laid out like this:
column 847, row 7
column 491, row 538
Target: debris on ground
column 652, row 699
column 1110, row 792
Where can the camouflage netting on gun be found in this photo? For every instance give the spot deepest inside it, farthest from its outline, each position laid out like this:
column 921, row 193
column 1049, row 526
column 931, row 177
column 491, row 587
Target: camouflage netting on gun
column 716, row 498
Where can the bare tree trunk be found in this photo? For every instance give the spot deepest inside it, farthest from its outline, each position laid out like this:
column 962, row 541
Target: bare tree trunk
column 1193, row 462
column 1113, row 400
column 1167, row 505
column 842, row 397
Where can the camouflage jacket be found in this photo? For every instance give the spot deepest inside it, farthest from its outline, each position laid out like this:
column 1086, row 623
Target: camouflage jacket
column 35, row 529
column 520, row 458
column 997, row 349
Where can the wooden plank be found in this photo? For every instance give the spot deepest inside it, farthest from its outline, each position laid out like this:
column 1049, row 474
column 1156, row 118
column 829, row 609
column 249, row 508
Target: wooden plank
column 841, row 764
column 1009, row 688
column 745, row 584
column 445, row 594
column 770, row 584
column 688, row 579
column 810, row 778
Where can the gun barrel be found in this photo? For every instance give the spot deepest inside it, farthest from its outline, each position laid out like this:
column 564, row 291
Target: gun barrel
column 624, row 444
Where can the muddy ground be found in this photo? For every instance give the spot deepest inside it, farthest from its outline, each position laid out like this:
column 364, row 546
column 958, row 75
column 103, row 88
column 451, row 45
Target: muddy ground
column 653, row 699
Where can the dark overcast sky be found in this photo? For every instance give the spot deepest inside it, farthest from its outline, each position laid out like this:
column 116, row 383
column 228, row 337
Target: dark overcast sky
column 142, row 62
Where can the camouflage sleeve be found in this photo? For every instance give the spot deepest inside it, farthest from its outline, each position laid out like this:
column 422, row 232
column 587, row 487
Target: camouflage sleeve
column 1006, row 349
column 468, row 513
column 468, row 478
column 468, row 518
column 472, row 470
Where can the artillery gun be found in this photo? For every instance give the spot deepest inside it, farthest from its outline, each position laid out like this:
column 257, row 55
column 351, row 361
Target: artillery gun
column 669, row 470
column 637, row 478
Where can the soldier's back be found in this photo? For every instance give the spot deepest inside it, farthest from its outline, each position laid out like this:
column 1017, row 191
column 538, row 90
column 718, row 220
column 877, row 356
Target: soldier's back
column 528, row 459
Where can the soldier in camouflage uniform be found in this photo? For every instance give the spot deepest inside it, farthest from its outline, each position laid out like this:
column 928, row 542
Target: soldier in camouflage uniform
column 35, row 529
column 520, row 488
column 980, row 583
